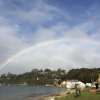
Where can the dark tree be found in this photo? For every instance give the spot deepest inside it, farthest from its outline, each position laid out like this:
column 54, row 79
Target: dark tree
column 59, row 70
column 47, row 70
column 63, row 71
column 3, row 75
column 9, row 75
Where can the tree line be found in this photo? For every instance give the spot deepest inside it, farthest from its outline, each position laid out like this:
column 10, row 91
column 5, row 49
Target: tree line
column 40, row 77
column 35, row 77
column 84, row 74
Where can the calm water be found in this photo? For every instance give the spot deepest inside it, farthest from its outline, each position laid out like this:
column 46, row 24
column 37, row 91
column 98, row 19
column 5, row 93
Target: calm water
column 18, row 92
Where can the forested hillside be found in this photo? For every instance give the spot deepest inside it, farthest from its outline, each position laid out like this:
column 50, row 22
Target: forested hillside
column 40, row 77
column 35, row 77
column 84, row 74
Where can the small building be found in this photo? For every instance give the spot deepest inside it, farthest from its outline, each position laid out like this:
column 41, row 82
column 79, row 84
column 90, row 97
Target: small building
column 88, row 84
column 70, row 84
column 63, row 84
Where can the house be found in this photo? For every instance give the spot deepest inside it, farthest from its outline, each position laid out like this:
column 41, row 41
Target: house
column 88, row 84
column 63, row 84
column 70, row 84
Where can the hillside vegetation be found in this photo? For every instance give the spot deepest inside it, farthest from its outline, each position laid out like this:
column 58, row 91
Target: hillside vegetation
column 40, row 77
column 35, row 77
column 84, row 74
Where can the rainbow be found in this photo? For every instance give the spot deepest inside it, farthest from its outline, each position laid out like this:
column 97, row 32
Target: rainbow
column 20, row 53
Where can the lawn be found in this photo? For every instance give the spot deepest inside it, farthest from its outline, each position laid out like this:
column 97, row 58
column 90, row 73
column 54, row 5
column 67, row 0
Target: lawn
column 85, row 95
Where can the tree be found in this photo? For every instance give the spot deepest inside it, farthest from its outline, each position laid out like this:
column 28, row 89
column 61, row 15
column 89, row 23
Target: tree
column 47, row 70
column 59, row 82
column 63, row 71
column 3, row 75
column 9, row 75
column 41, row 70
column 59, row 70
column 34, row 71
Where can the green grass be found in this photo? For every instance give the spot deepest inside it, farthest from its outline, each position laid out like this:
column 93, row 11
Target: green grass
column 85, row 95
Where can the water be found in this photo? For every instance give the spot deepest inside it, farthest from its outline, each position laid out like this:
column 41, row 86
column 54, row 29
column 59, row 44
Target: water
column 18, row 92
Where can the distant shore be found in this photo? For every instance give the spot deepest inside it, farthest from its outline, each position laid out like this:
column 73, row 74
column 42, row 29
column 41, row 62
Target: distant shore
column 53, row 96
column 19, row 85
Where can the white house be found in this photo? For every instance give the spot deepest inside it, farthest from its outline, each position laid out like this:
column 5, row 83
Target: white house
column 89, row 84
column 70, row 84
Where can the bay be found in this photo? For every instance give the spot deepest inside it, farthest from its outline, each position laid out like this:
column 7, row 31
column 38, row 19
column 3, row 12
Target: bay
column 20, row 93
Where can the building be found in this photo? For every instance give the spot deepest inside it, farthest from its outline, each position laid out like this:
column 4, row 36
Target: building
column 99, row 80
column 70, row 84
column 63, row 84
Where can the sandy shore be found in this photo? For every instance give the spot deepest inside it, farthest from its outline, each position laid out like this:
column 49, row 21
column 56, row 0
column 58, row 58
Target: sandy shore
column 58, row 95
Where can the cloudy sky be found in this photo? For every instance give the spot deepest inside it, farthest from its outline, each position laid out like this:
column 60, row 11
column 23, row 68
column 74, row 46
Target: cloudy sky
column 28, row 23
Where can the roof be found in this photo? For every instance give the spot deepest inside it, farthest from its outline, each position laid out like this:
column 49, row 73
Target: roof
column 72, row 81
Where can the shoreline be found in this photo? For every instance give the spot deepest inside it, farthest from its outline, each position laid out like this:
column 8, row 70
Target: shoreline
column 53, row 96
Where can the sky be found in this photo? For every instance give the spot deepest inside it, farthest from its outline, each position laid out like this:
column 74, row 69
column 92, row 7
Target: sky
column 63, row 34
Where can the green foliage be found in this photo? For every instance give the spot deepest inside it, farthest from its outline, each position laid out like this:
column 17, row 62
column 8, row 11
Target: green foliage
column 3, row 76
column 46, row 77
column 59, row 82
column 47, row 70
column 59, row 70
column 85, row 75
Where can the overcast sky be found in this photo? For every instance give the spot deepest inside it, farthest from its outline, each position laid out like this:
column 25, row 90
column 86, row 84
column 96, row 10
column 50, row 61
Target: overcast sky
column 26, row 23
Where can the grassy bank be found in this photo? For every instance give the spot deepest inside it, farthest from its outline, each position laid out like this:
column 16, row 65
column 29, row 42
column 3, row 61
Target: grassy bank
column 85, row 95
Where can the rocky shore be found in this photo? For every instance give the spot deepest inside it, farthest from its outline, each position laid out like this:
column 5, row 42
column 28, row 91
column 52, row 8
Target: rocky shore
column 57, row 95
